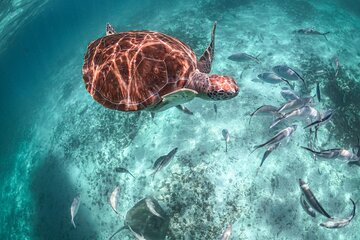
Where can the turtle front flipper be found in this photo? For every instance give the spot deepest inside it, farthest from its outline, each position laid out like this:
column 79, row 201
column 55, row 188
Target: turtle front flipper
column 173, row 99
column 109, row 29
column 204, row 64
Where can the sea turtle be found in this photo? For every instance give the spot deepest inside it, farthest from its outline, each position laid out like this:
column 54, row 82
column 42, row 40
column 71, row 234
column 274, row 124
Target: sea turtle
column 145, row 70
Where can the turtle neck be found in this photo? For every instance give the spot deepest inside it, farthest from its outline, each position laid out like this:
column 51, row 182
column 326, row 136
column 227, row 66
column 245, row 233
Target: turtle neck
column 199, row 82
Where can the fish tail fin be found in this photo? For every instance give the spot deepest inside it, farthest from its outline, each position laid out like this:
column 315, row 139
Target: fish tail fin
column 309, row 149
column 288, row 83
column 303, row 80
column 250, row 119
column 292, row 87
column 114, row 209
column 255, row 148
column 257, row 171
column 316, row 133
column 252, row 114
column 264, row 144
column 324, row 34
column 252, row 151
column 280, row 109
column 263, row 159
column 311, row 124
column 130, row 173
column 276, row 122
column 257, row 58
column 73, row 223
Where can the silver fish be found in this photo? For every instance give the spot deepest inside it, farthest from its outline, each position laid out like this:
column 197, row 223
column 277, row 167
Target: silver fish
column 227, row 233
column 272, row 78
column 288, row 94
column 123, row 170
column 334, row 153
column 305, row 111
column 311, row 199
column 113, row 200
column 340, row 222
column 264, row 109
column 325, row 117
column 336, row 65
column 226, row 136
column 356, row 162
column 288, row 73
column 286, row 132
column 162, row 161
column 151, row 206
column 310, row 31
column 309, row 210
column 296, row 103
column 243, row 57
column 74, row 209
column 268, row 151
column 184, row 109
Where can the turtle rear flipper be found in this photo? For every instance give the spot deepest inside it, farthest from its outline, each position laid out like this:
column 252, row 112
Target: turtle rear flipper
column 204, row 64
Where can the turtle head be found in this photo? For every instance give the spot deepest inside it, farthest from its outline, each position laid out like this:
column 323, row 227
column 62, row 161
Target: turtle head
column 221, row 87
column 213, row 87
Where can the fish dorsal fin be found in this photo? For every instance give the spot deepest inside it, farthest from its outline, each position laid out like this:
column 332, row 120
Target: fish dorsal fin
column 109, row 29
column 204, row 63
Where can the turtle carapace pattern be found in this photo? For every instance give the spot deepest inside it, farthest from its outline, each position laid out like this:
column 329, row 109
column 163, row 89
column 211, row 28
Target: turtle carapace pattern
column 136, row 70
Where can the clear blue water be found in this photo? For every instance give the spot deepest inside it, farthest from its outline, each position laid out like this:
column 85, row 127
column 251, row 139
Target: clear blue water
column 56, row 141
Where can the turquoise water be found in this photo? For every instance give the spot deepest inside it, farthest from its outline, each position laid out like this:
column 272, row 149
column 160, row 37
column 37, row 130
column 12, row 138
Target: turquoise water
column 56, row 141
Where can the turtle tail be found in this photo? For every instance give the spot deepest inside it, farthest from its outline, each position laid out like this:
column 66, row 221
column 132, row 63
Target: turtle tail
column 204, row 64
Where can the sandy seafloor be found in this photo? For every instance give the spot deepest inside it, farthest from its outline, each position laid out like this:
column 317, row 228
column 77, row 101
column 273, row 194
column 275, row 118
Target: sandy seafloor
column 72, row 144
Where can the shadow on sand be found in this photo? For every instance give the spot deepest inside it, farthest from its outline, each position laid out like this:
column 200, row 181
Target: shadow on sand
column 53, row 194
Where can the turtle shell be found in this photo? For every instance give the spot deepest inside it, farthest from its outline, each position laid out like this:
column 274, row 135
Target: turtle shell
column 131, row 71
